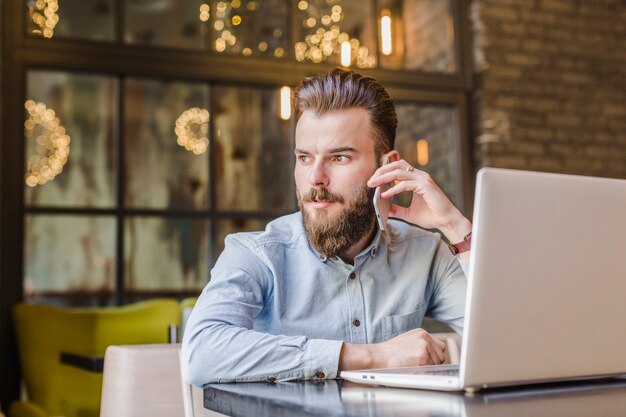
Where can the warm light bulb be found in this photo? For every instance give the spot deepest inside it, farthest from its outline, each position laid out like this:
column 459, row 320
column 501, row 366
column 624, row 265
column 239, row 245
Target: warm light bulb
column 385, row 33
column 422, row 152
column 346, row 50
column 285, row 103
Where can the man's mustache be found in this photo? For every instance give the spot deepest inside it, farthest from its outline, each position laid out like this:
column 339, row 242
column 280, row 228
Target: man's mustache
column 321, row 194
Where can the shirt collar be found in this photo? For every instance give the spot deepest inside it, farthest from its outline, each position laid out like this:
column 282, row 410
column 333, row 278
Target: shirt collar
column 373, row 247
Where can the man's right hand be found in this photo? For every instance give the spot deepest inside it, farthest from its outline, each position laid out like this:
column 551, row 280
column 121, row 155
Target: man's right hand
column 414, row 348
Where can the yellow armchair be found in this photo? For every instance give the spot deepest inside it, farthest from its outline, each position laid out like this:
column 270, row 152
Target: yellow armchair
column 43, row 332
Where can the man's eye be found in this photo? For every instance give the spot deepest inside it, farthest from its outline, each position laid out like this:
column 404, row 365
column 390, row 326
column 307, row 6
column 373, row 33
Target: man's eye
column 303, row 158
column 342, row 158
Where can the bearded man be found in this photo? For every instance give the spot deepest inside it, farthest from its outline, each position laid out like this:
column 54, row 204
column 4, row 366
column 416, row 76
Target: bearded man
column 324, row 289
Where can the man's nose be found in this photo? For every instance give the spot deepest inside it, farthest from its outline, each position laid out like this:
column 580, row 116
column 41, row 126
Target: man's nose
column 319, row 175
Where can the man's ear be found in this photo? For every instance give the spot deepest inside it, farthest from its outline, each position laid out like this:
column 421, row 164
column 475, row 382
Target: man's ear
column 391, row 156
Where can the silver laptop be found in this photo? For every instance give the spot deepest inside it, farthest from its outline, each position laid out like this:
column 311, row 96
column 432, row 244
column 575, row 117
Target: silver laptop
column 605, row 398
column 546, row 294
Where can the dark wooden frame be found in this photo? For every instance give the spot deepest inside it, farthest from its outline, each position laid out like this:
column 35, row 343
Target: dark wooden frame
column 21, row 53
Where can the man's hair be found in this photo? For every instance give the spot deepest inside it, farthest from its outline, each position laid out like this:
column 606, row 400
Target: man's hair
column 344, row 89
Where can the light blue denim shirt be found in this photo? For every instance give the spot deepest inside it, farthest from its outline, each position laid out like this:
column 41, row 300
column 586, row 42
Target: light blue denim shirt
column 275, row 309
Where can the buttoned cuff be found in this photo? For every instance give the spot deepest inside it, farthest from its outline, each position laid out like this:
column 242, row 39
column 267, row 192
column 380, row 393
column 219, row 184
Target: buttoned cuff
column 465, row 266
column 321, row 359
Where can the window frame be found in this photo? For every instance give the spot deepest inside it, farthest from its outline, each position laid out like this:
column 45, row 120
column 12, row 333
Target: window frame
column 21, row 53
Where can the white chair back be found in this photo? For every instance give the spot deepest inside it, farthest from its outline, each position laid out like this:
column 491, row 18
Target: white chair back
column 146, row 381
column 142, row 380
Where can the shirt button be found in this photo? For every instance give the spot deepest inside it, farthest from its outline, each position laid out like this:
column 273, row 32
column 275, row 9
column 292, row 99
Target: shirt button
column 320, row 375
column 352, row 275
column 374, row 252
column 271, row 379
column 356, row 322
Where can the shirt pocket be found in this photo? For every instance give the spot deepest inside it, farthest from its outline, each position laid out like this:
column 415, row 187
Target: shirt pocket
column 402, row 323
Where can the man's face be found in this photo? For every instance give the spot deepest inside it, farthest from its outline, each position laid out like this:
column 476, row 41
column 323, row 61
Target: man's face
column 334, row 159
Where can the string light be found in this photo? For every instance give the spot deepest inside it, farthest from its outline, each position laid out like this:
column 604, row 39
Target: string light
column 44, row 14
column 53, row 144
column 188, row 124
column 230, row 19
column 205, row 12
column 328, row 39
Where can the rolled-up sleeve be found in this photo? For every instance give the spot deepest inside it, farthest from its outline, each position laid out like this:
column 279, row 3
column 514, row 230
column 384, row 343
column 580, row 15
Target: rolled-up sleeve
column 321, row 358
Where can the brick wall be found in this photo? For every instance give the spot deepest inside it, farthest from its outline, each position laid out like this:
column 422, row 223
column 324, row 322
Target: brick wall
column 551, row 85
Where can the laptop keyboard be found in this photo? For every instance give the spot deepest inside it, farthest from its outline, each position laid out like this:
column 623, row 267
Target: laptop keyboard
column 442, row 372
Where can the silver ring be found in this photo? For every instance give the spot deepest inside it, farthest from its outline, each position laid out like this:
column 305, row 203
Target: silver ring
column 410, row 168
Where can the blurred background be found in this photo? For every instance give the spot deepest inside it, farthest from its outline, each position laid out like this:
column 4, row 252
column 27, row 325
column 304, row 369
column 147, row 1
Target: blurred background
column 136, row 134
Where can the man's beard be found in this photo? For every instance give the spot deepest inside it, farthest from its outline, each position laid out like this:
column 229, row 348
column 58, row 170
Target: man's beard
column 334, row 236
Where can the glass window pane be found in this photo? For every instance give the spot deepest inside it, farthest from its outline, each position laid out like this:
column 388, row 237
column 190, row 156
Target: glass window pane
column 166, row 254
column 323, row 26
column 428, row 138
column 161, row 173
column 72, row 113
column 249, row 27
column 235, row 225
column 65, row 255
column 422, row 35
column 253, row 145
column 165, row 23
column 79, row 19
